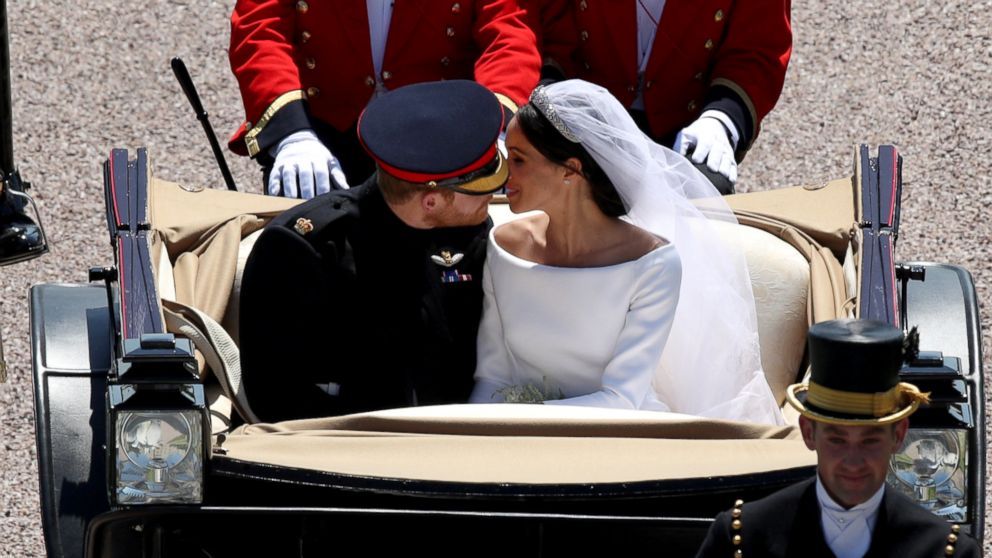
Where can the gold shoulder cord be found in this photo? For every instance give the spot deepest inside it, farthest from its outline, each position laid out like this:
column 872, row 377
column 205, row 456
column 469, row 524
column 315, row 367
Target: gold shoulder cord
column 737, row 526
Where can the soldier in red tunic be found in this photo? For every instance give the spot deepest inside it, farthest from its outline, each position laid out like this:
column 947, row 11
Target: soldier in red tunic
column 698, row 76
column 307, row 69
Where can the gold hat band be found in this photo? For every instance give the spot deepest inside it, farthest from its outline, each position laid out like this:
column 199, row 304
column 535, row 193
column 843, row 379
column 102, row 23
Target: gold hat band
column 868, row 404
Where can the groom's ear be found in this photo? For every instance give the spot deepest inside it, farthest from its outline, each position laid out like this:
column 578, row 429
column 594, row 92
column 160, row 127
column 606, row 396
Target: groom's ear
column 429, row 201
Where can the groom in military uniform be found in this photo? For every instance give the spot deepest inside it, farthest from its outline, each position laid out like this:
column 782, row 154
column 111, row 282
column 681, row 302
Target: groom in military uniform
column 855, row 416
column 370, row 298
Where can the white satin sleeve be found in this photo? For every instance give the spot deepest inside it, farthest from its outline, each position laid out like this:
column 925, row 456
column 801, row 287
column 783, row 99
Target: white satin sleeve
column 628, row 377
column 492, row 368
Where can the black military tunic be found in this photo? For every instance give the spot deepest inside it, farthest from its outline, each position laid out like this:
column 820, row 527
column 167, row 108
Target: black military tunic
column 787, row 524
column 339, row 290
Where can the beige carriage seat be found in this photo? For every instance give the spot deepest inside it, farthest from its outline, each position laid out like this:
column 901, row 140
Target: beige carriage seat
column 780, row 280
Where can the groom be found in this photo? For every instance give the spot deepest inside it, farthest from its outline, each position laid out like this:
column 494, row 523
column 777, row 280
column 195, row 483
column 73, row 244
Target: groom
column 370, row 298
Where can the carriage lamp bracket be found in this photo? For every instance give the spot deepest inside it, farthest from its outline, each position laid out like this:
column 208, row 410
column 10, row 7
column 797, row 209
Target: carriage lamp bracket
column 906, row 273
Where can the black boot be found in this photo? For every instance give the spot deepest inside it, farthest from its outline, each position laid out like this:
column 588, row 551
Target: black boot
column 21, row 238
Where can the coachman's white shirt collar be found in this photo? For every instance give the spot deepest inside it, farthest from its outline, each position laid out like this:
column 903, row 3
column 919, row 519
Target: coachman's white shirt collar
column 847, row 532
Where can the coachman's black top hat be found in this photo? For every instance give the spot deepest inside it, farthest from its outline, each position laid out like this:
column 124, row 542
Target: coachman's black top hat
column 854, row 378
column 439, row 134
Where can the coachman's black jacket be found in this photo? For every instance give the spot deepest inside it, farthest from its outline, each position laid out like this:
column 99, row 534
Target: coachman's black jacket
column 787, row 524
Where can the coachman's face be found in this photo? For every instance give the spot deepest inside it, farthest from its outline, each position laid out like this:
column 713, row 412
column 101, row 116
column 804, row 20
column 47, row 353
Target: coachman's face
column 852, row 461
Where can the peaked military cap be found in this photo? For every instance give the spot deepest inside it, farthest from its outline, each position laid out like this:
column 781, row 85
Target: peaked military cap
column 440, row 134
column 854, row 378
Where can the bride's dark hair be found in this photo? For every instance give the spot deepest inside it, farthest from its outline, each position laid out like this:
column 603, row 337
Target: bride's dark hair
column 550, row 143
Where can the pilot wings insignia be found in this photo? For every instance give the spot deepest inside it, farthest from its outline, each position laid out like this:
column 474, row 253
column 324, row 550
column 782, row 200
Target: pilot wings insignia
column 446, row 258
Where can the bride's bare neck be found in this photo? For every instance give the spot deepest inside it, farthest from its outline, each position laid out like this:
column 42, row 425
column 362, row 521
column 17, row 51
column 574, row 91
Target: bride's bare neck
column 575, row 238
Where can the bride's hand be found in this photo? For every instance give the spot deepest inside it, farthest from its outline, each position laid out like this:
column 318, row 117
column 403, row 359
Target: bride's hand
column 708, row 140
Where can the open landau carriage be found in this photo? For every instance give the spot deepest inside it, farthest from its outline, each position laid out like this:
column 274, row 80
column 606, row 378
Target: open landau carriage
column 148, row 446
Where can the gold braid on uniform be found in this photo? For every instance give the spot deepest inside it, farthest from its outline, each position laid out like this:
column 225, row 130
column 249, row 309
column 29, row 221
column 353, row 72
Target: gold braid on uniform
column 736, row 525
column 952, row 538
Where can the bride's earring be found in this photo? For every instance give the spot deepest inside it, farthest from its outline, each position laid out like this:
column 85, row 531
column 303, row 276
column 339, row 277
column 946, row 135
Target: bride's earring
column 567, row 182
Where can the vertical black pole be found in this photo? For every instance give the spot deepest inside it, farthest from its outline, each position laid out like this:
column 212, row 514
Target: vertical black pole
column 6, row 112
column 6, row 129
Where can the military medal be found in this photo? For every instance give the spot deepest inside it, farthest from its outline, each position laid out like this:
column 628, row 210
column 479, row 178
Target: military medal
column 448, row 259
column 452, row 276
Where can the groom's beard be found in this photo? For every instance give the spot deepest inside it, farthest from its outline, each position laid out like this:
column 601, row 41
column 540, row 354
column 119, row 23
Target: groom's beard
column 462, row 210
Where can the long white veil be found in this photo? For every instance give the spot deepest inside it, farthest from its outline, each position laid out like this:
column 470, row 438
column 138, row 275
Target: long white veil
column 711, row 365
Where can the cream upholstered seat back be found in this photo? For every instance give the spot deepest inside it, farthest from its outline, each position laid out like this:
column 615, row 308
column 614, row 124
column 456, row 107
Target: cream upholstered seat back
column 780, row 279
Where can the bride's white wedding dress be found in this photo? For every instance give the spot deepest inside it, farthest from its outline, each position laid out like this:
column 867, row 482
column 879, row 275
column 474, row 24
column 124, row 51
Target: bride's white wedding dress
column 607, row 336
column 594, row 335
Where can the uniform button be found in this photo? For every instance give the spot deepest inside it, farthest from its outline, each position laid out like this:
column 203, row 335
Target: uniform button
column 648, row 85
column 692, row 106
column 631, row 89
column 450, row 31
column 709, row 44
column 370, row 81
column 584, row 35
column 583, row 5
column 311, row 63
column 312, row 92
column 718, row 16
column 305, row 36
column 586, row 64
column 386, row 76
column 698, row 77
column 456, row 8
column 445, row 61
column 302, row 6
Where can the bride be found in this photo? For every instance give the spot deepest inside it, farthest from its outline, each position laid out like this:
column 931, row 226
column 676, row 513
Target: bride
column 618, row 293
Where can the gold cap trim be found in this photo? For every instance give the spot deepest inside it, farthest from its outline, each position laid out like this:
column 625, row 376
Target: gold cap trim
column 508, row 103
column 907, row 398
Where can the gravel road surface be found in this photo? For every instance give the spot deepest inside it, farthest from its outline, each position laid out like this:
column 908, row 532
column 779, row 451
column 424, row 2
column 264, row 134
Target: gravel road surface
column 96, row 76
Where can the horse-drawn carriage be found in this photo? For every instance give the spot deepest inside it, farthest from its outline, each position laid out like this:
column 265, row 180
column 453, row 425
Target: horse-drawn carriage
column 147, row 444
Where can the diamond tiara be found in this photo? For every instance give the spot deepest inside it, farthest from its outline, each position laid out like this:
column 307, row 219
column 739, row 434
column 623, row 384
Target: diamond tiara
column 539, row 98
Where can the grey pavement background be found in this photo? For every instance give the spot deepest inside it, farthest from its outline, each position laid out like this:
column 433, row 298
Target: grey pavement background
column 93, row 74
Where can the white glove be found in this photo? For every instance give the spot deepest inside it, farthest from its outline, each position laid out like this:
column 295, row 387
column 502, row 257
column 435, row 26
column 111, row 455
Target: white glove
column 709, row 137
column 301, row 162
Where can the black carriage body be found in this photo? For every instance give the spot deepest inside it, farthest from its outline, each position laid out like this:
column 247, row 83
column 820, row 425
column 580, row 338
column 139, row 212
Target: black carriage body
column 254, row 509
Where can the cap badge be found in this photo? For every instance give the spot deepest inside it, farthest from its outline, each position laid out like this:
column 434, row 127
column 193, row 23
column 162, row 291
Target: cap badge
column 446, row 258
column 303, row 226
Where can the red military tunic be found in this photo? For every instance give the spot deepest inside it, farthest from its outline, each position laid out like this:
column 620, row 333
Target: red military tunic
column 706, row 54
column 286, row 51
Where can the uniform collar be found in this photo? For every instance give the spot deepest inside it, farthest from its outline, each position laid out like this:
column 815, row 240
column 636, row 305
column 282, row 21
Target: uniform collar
column 828, row 504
